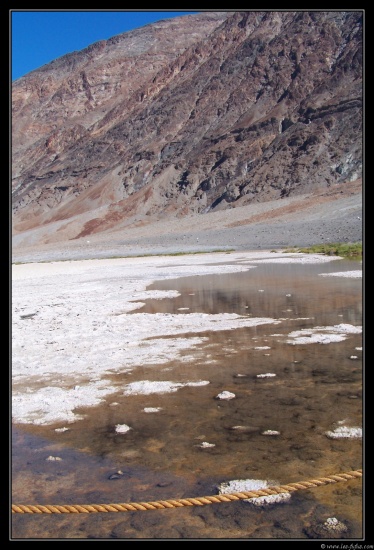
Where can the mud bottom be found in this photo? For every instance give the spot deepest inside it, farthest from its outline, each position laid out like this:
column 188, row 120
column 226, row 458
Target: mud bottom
column 82, row 479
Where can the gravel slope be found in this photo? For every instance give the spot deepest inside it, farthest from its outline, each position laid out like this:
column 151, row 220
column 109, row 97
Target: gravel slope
column 333, row 215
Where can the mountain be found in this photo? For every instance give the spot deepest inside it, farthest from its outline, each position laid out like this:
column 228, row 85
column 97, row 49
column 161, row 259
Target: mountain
column 192, row 115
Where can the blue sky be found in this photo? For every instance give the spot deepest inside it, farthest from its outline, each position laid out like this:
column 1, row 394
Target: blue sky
column 38, row 36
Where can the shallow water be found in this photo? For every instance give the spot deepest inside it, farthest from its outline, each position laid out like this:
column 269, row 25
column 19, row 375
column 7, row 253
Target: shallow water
column 316, row 388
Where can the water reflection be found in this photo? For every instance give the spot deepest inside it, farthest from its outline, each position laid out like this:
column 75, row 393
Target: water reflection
column 287, row 289
column 313, row 389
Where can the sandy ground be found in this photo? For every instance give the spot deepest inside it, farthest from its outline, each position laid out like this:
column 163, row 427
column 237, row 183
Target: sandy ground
column 332, row 215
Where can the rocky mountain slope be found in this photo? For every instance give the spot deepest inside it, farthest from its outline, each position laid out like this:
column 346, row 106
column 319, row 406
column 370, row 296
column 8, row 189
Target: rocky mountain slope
column 184, row 117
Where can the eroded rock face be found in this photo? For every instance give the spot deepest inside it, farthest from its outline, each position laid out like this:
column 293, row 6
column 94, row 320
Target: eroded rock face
column 188, row 115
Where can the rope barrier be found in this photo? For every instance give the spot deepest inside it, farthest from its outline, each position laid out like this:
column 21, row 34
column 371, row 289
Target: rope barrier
column 199, row 501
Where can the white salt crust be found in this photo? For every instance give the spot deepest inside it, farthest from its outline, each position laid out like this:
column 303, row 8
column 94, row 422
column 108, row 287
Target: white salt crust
column 75, row 324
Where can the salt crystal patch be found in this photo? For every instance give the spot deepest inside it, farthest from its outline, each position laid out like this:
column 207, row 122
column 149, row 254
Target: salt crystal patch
column 152, row 409
column 357, row 274
column 146, row 387
column 53, row 458
column 323, row 335
column 334, row 525
column 344, row 432
column 61, row 430
column 206, row 445
column 270, row 432
column 271, row 499
column 245, row 485
column 122, row 428
column 266, row 375
column 225, row 395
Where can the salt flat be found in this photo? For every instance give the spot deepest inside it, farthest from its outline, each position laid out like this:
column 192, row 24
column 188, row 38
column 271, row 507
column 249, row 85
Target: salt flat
column 75, row 324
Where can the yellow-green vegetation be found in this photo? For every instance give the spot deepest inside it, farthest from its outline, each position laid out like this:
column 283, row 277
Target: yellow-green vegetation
column 345, row 250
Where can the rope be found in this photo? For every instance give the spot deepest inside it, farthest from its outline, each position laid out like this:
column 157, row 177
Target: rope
column 200, row 501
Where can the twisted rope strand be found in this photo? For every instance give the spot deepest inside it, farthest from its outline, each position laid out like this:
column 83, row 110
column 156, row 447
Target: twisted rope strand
column 177, row 503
